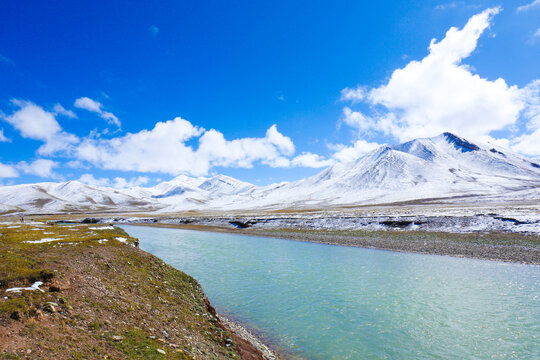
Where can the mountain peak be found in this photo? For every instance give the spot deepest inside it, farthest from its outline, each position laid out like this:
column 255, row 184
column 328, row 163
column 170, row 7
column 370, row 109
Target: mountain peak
column 460, row 143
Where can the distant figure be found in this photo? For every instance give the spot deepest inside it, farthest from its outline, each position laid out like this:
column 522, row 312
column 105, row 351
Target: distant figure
column 22, row 218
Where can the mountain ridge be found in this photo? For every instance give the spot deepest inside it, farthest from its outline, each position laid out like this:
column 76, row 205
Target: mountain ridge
column 444, row 166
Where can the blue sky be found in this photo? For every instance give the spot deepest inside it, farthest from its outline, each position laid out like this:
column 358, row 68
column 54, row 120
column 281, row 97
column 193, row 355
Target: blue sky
column 134, row 92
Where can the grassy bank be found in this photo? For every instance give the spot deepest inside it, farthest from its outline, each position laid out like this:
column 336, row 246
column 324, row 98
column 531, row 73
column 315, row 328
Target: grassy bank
column 102, row 298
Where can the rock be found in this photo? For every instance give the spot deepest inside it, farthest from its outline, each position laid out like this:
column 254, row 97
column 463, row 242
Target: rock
column 53, row 288
column 49, row 307
column 90, row 221
column 15, row 315
column 117, row 338
column 161, row 351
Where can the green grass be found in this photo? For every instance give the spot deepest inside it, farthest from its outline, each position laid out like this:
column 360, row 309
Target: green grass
column 100, row 289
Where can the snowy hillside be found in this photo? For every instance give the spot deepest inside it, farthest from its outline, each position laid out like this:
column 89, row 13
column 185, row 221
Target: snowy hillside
column 446, row 167
column 438, row 167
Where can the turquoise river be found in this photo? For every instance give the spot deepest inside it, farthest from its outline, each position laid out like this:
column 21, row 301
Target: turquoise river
column 320, row 301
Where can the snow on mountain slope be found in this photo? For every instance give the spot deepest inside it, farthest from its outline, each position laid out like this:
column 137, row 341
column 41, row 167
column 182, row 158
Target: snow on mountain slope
column 225, row 185
column 184, row 192
column 443, row 167
column 438, row 167
column 69, row 196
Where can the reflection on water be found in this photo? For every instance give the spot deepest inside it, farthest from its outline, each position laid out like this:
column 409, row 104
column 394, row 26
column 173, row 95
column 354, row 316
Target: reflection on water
column 332, row 302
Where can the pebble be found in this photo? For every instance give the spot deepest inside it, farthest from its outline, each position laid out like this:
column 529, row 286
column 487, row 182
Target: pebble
column 49, row 307
column 161, row 351
column 117, row 338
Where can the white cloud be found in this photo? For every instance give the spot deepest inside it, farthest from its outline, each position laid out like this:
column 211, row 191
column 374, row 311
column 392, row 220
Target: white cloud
column 33, row 122
column 342, row 154
column 357, row 120
column 59, row 110
column 537, row 33
column 529, row 6
column 354, row 95
column 529, row 143
column 3, row 138
column 77, row 164
column 89, row 179
column 164, row 149
column 245, row 151
column 161, row 149
column 41, row 167
column 439, row 93
column 311, row 160
column 96, row 107
column 122, row 183
column 8, row 171
column 117, row 182
column 345, row 153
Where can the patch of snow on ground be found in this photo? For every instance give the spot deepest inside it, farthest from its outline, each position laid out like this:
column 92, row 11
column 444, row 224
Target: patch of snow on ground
column 44, row 240
column 35, row 286
column 121, row 239
column 102, row 228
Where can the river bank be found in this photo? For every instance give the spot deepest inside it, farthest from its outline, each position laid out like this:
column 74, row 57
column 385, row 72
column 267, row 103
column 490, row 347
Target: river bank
column 508, row 247
column 88, row 291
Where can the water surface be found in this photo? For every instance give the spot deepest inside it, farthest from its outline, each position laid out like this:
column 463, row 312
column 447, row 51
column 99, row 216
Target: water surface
column 331, row 302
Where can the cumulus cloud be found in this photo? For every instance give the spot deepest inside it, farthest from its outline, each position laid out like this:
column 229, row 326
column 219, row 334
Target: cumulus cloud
column 344, row 153
column 117, row 182
column 33, row 122
column 307, row 159
column 243, row 152
column 41, row 167
column 534, row 4
column 357, row 120
column 163, row 149
column 94, row 106
column 529, row 143
column 8, row 171
column 89, row 179
column 439, row 93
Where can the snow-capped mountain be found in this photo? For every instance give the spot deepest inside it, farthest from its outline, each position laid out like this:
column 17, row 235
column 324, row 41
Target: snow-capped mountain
column 438, row 167
column 68, row 197
column 444, row 167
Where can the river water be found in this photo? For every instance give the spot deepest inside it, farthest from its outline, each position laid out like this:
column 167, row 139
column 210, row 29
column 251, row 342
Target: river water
column 321, row 301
